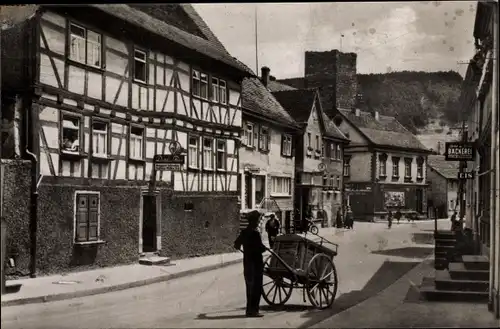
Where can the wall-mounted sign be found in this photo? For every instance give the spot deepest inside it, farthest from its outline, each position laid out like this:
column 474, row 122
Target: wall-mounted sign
column 459, row 151
column 466, row 175
column 168, row 161
column 321, row 166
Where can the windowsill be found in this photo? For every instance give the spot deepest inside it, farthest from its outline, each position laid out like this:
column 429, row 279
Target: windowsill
column 264, row 151
column 135, row 160
column 419, row 179
column 208, row 169
column 72, row 155
column 90, row 243
column 221, row 170
column 200, row 98
column 84, row 65
column 408, row 180
column 395, row 177
column 250, row 147
column 143, row 83
column 101, row 158
column 280, row 195
column 193, row 167
column 382, row 177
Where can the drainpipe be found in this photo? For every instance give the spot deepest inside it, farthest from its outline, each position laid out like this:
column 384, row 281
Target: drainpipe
column 33, row 214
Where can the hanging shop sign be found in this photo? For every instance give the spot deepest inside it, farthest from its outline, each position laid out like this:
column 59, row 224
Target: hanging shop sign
column 459, row 151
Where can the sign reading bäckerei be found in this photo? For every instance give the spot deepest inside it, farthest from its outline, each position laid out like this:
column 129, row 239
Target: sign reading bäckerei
column 459, row 151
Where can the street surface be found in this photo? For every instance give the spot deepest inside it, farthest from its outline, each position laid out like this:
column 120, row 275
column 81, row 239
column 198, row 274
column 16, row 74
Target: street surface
column 371, row 257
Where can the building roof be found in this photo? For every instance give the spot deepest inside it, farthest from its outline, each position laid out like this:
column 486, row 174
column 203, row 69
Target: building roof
column 447, row 169
column 258, row 99
column 299, row 103
column 274, row 85
column 386, row 131
column 209, row 46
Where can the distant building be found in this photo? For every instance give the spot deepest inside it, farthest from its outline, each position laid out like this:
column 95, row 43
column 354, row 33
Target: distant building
column 384, row 163
column 319, row 143
column 442, row 176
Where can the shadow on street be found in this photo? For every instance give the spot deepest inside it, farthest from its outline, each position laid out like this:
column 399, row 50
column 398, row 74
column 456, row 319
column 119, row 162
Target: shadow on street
column 388, row 273
column 407, row 252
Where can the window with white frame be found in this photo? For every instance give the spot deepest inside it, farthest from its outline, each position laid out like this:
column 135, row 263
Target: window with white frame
column 86, row 217
column 338, row 153
column 193, row 151
column 203, row 85
column 286, row 145
column 383, row 165
column 420, row 167
column 136, row 145
column 140, row 65
column 332, row 181
column 339, row 185
column 408, row 162
column 195, row 85
column 223, row 92
column 248, row 138
column 309, row 140
column 100, row 138
column 70, row 135
column 281, row 185
column 333, row 149
column 221, row 155
column 215, row 90
column 264, row 139
column 395, row 167
column 347, row 166
column 85, row 45
column 317, row 142
column 208, row 155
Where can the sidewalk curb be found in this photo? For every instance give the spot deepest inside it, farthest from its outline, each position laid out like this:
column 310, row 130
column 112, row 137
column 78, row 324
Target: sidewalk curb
column 118, row 287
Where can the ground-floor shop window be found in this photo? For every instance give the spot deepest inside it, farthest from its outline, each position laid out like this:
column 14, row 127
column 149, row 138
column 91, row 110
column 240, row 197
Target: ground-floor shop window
column 87, row 216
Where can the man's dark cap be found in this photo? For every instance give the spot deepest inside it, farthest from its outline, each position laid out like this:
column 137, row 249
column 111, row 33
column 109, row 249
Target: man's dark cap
column 253, row 216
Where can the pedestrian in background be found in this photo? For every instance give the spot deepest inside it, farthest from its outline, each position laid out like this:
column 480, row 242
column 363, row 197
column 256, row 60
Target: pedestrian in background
column 338, row 220
column 349, row 220
column 389, row 219
column 272, row 229
column 253, row 263
column 398, row 215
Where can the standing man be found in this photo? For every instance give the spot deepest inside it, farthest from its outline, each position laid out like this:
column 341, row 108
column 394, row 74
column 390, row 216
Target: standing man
column 253, row 263
column 272, row 229
column 389, row 219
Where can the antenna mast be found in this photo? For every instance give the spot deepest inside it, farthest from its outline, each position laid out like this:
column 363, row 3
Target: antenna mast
column 256, row 44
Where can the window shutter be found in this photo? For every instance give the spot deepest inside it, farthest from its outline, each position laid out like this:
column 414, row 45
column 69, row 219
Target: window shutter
column 282, row 144
column 255, row 136
column 268, row 139
column 93, row 216
column 81, row 218
column 244, row 137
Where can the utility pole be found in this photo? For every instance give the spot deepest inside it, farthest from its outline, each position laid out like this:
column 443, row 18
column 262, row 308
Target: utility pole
column 256, row 43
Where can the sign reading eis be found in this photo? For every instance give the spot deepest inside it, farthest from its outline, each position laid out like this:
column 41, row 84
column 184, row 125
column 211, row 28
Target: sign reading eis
column 459, row 151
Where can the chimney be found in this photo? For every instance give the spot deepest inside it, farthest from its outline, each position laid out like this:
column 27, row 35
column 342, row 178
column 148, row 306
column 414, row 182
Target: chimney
column 264, row 75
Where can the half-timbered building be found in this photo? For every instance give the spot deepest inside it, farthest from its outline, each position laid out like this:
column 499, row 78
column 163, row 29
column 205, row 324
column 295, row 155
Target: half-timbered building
column 267, row 155
column 105, row 88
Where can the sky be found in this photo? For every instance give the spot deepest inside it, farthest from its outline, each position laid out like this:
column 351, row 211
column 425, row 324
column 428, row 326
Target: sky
column 387, row 36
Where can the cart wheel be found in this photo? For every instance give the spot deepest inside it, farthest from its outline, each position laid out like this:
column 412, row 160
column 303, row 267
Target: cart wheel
column 276, row 290
column 314, row 229
column 322, row 281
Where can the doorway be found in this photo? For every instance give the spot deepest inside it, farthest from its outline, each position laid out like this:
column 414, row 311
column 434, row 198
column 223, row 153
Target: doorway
column 260, row 189
column 420, row 200
column 248, row 191
column 149, row 223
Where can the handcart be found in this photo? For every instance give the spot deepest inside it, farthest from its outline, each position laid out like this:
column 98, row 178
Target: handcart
column 300, row 263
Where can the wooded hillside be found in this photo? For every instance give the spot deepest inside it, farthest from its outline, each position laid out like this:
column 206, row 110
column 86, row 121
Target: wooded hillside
column 414, row 98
